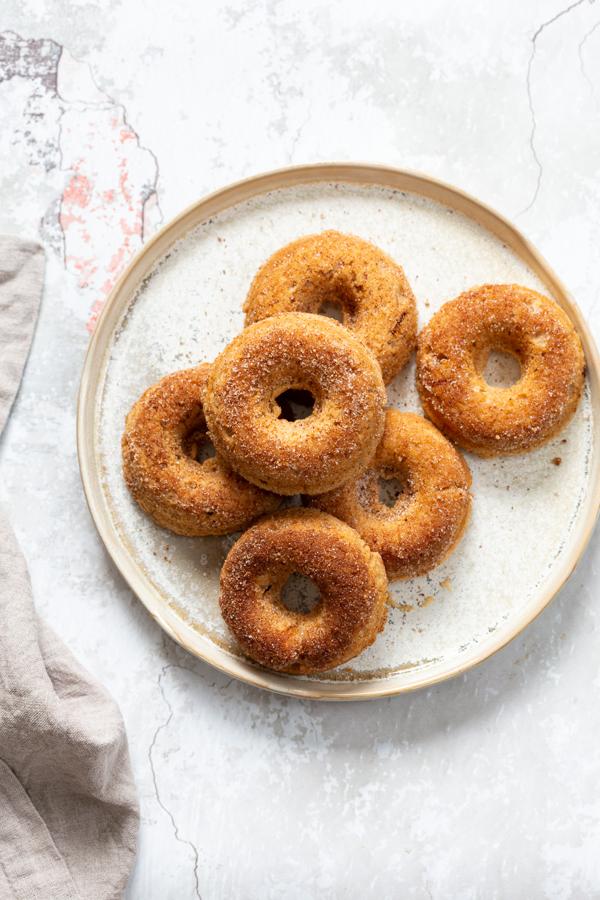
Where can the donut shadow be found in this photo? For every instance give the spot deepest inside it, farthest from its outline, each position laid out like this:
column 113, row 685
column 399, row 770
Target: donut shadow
column 511, row 677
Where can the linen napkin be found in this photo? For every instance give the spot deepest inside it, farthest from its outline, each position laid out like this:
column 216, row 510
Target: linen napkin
column 68, row 807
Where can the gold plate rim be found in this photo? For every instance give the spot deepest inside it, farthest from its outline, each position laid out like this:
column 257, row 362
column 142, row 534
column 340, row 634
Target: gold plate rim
column 87, row 404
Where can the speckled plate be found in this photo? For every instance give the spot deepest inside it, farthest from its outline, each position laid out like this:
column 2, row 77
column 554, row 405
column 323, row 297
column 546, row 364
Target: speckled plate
column 180, row 301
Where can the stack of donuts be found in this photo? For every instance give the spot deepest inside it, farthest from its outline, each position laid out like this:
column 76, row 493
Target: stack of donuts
column 295, row 409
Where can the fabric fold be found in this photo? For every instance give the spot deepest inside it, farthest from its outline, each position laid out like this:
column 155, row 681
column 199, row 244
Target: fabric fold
column 69, row 814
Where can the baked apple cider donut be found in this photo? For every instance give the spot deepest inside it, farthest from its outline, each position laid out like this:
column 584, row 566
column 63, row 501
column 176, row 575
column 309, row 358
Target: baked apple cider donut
column 164, row 435
column 422, row 519
column 452, row 354
column 369, row 289
column 351, row 608
column 245, row 402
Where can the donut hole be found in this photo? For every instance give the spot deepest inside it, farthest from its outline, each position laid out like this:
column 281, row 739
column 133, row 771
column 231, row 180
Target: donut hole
column 331, row 295
column 295, row 404
column 198, row 446
column 502, row 369
column 332, row 309
column 384, row 492
column 390, row 490
column 300, row 594
column 205, row 450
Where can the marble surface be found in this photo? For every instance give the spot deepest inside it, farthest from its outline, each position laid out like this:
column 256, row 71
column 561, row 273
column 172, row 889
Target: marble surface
column 115, row 115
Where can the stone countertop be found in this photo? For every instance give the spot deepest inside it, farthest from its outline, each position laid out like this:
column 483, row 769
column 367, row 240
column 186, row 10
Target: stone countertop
column 115, row 116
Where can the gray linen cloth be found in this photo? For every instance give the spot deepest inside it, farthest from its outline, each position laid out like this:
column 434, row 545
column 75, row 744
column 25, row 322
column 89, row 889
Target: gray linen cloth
column 68, row 807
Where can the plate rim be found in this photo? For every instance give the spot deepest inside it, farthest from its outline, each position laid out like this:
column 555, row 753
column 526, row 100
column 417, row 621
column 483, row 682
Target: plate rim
column 211, row 204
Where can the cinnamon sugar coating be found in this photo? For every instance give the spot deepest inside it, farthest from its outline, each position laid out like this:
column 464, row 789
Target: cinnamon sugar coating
column 451, row 357
column 351, row 580
column 371, row 290
column 164, row 432
column 295, row 351
column 429, row 516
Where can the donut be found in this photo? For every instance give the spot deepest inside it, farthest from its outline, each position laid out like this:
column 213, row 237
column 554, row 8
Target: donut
column 369, row 289
column 452, row 353
column 429, row 516
column 351, row 581
column 163, row 432
column 309, row 354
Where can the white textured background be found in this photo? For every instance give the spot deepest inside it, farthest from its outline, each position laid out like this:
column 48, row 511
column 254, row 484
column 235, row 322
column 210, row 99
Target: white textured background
column 116, row 115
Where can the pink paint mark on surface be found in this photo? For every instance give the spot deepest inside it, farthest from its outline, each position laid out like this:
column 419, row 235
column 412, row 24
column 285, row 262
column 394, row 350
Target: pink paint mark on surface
column 77, row 191
column 116, row 263
column 102, row 206
column 73, row 129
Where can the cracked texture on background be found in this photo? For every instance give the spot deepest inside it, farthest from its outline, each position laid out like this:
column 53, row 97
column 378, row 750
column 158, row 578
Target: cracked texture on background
column 485, row 787
column 160, row 801
column 532, row 138
column 108, row 199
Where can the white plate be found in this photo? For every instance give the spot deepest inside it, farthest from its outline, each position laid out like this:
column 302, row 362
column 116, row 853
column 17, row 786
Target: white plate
column 180, row 302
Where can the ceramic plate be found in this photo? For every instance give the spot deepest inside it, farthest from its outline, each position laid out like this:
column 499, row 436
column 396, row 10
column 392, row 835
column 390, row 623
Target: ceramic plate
column 179, row 302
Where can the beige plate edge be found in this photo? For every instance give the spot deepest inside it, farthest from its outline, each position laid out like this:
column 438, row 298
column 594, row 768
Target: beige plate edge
column 384, row 176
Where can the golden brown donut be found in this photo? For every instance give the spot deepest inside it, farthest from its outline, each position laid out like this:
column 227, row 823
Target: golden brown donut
column 351, row 609
column 303, row 352
column 370, row 289
column 430, row 514
column 163, row 432
column 452, row 353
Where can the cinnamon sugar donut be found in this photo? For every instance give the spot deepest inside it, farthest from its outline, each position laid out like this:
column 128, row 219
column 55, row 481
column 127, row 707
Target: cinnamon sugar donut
column 428, row 518
column 351, row 609
column 371, row 290
column 295, row 352
column 163, row 433
column 452, row 353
